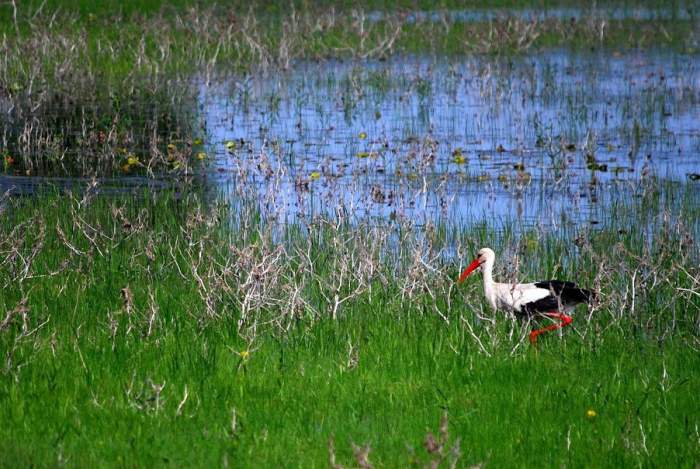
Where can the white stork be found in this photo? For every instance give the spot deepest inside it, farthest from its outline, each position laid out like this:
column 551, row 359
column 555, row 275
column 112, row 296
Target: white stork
column 549, row 298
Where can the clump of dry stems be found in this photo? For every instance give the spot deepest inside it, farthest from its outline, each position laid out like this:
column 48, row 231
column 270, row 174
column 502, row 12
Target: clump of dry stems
column 263, row 284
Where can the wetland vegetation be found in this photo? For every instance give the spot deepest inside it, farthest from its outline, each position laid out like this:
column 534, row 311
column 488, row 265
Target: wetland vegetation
column 230, row 235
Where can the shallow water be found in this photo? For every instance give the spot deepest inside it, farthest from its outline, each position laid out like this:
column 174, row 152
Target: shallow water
column 606, row 12
column 546, row 139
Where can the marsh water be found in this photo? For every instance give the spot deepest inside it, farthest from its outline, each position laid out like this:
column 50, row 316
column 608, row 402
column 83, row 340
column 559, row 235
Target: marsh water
column 546, row 139
column 542, row 140
column 679, row 11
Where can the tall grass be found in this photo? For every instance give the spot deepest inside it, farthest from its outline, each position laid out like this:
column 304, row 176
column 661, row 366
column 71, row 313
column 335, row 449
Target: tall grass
column 153, row 331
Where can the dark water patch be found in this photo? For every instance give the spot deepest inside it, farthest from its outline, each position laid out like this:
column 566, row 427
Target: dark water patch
column 26, row 186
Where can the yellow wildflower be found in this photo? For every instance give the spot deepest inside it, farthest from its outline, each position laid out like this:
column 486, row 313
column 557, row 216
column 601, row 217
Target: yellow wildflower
column 590, row 413
column 315, row 175
column 201, row 155
column 171, row 147
column 132, row 160
column 362, row 154
column 459, row 159
column 197, row 141
column 362, row 135
column 230, row 145
column 244, row 354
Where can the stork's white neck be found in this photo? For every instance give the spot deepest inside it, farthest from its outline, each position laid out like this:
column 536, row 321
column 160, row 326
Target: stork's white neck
column 489, row 286
column 487, row 271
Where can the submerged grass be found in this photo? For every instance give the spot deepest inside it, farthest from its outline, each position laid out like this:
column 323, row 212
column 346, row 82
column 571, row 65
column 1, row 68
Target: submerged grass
column 150, row 331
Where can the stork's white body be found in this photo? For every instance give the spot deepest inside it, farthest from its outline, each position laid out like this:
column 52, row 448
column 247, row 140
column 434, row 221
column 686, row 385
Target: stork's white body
column 549, row 298
column 512, row 296
column 526, row 298
column 508, row 296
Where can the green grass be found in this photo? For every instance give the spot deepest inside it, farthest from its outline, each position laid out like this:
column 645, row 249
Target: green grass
column 128, row 7
column 293, row 394
column 93, row 377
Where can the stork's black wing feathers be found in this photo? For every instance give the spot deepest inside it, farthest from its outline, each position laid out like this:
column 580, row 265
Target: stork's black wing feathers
column 543, row 305
column 568, row 292
column 561, row 294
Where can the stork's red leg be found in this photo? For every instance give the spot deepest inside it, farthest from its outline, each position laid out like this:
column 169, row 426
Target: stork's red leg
column 565, row 321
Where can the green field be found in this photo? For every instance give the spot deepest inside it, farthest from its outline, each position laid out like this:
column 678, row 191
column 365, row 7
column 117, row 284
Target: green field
column 155, row 332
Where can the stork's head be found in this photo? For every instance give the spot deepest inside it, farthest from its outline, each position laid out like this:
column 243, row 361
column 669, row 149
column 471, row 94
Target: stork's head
column 485, row 257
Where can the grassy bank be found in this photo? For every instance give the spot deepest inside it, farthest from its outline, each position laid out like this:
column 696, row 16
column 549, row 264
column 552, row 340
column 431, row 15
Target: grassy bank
column 155, row 331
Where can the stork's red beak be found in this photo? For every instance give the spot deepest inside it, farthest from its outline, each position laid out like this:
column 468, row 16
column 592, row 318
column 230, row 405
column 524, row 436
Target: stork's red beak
column 471, row 268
